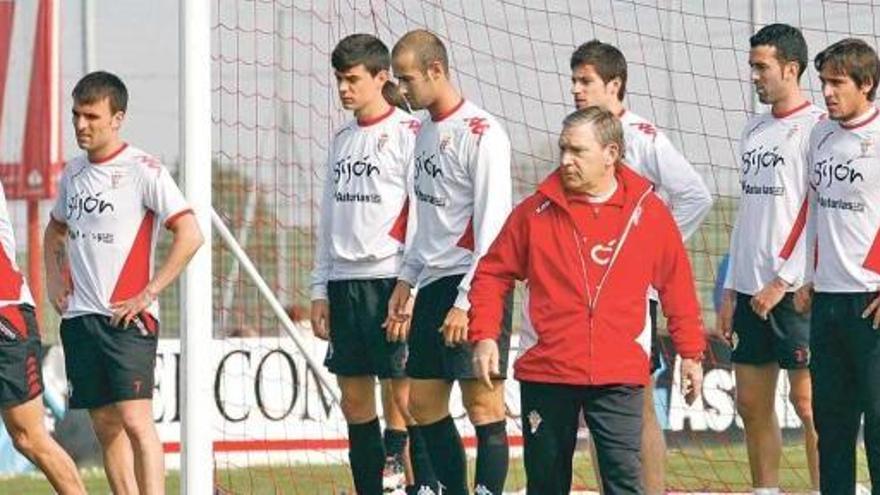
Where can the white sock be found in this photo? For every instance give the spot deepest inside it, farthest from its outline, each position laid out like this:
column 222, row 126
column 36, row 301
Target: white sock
column 766, row 491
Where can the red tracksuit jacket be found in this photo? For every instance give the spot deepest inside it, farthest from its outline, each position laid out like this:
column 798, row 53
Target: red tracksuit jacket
column 581, row 329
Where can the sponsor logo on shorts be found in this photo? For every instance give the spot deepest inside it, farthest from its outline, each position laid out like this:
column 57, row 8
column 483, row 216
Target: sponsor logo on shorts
column 734, row 341
column 534, row 421
column 427, row 490
column 482, row 490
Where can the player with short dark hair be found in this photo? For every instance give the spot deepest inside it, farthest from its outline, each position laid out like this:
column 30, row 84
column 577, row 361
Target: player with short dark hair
column 599, row 77
column 844, row 227
column 762, row 314
column 21, row 371
column 588, row 243
column 364, row 230
column 99, row 248
column 463, row 194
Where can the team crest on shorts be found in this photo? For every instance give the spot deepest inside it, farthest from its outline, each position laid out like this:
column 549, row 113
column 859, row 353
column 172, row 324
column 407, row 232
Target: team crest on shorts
column 534, row 421
column 802, row 355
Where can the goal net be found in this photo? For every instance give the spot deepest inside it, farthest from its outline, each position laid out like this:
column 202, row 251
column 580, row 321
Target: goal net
column 274, row 111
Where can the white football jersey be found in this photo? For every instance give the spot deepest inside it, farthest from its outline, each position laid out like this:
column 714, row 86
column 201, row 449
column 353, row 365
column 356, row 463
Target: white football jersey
column 365, row 218
column 845, row 201
column 463, row 195
column 113, row 211
column 653, row 156
column 768, row 238
column 13, row 287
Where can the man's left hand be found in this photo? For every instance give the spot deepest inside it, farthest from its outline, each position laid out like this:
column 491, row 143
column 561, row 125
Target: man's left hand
column 124, row 312
column 767, row 298
column 691, row 379
column 455, row 327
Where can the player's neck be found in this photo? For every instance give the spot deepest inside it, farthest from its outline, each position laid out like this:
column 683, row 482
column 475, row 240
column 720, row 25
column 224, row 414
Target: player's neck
column 372, row 113
column 445, row 104
column 864, row 112
column 788, row 105
column 107, row 151
column 616, row 107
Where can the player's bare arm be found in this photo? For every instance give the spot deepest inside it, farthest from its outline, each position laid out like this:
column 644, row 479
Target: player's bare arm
column 187, row 240
column 724, row 319
column 57, row 265
column 320, row 318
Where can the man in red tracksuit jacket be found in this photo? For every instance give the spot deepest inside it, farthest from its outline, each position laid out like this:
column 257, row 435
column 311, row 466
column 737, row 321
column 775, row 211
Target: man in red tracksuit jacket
column 589, row 243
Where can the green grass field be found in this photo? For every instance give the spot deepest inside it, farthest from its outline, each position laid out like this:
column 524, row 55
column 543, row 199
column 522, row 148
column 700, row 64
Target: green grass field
column 715, row 468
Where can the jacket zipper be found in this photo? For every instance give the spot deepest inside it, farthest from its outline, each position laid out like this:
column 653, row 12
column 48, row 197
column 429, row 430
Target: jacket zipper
column 591, row 302
column 578, row 243
column 629, row 224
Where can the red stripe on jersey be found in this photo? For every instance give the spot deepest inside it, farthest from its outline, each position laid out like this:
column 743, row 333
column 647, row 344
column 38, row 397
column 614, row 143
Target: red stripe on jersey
column 466, row 240
column 10, row 288
column 13, row 317
column 110, row 156
column 150, row 323
column 872, row 261
column 375, row 120
column 796, row 230
column 865, row 122
column 782, row 115
column 445, row 115
column 398, row 230
column 173, row 218
column 135, row 274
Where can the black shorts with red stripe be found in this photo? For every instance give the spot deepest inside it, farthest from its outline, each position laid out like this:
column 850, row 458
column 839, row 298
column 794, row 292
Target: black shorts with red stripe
column 107, row 364
column 21, row 354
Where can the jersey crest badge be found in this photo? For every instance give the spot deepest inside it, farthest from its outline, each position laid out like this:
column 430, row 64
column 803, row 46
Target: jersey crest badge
column 866, row 145
column 444, row 142
column 383, row 140
column 116, row 179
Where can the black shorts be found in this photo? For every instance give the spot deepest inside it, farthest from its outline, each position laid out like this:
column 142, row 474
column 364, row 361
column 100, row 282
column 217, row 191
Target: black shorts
column 783, row 338
column 358, row 346
column 550, row 420
column 656, row 351
column 429, row 357
column 21, row 355
column 107, row 364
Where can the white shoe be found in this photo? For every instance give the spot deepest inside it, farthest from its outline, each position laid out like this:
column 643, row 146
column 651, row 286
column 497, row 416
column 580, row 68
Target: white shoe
column 393, row 477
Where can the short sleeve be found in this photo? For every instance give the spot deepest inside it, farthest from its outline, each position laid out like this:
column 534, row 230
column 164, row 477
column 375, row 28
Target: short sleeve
column 163, row 197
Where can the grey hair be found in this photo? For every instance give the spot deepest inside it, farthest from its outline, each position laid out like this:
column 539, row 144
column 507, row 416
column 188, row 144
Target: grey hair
column 606, row 125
